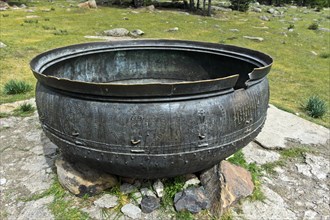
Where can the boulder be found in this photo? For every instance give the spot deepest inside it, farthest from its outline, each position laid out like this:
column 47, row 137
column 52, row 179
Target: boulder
column 236, row 183
column 136, row 33
column 88, row 4
column 117, row 32
column 264, row 18
column 192, row 199
column 149, row 204
column 80, row 179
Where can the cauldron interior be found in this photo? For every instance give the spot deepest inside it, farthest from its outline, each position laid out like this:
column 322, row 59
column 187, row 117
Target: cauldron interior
column 149, row 66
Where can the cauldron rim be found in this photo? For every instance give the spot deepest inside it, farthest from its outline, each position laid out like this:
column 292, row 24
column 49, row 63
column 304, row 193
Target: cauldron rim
column 38, row 64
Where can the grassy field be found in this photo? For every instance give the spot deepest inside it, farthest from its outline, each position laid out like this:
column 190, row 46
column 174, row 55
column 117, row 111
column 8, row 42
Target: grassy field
column 296, row 75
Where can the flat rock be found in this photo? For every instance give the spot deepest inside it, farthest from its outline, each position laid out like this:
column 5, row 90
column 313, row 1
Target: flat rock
column 236, row 183
column 271, row 10
column 324, row 29
column 37, row 209
column 149, row 204
column 131, row 211
column 192, row 200
column 273, row 208
column 318, row 166
column 117, row 32
column 106, row 201
column 80, row 179
column 257, row 39
column 256, row 154
column 281, row 126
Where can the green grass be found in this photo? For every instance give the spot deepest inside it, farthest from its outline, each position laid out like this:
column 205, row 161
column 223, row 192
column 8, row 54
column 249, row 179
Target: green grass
column 61, row 207
column 296, row 74
column 24, row 110
column 171, row 187
column 286, row 154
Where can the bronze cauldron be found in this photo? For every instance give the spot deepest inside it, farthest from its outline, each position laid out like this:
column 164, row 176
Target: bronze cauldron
column 151, row 108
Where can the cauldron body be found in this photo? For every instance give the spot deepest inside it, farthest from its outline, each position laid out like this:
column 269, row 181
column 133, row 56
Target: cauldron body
column 151, row 108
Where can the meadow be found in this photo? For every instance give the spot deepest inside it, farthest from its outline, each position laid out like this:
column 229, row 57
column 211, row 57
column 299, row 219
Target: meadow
column 301, row 56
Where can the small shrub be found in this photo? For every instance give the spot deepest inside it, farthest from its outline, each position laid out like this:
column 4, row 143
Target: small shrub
column 47, row 19
column 16, row 87
column 325, row 55
column 315, row 107
column 31, row 21
column 48, row 27
column 291, row 26
column 5, row 15
column 313, row 26
column 26, row 107
column 61, row 32
column 240, row 5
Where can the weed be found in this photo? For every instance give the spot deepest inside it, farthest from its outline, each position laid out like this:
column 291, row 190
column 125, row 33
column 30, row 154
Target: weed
column 5, row 15
column 61, row 32
column 184, row 215
column 47, row 19
column 297, row 152
column 291, row 26
column 313, row 26
column 4, row 115
column 270, row 167
column 227, row 216
column 16, row 87
column 171, row 187
column 315, row 107
column 325, row 55
column 48, row 27
column 31, row 21
column 25, row 109
column 60, row 207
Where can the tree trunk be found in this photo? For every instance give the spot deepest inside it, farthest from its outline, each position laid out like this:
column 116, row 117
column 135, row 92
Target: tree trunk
column 209, row 9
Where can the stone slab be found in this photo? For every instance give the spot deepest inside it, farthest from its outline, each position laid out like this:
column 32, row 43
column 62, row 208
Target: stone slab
column 256, row 154
column 281, row 126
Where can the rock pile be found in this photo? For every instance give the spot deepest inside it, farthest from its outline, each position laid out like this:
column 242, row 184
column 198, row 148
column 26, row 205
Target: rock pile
column 232, row 183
